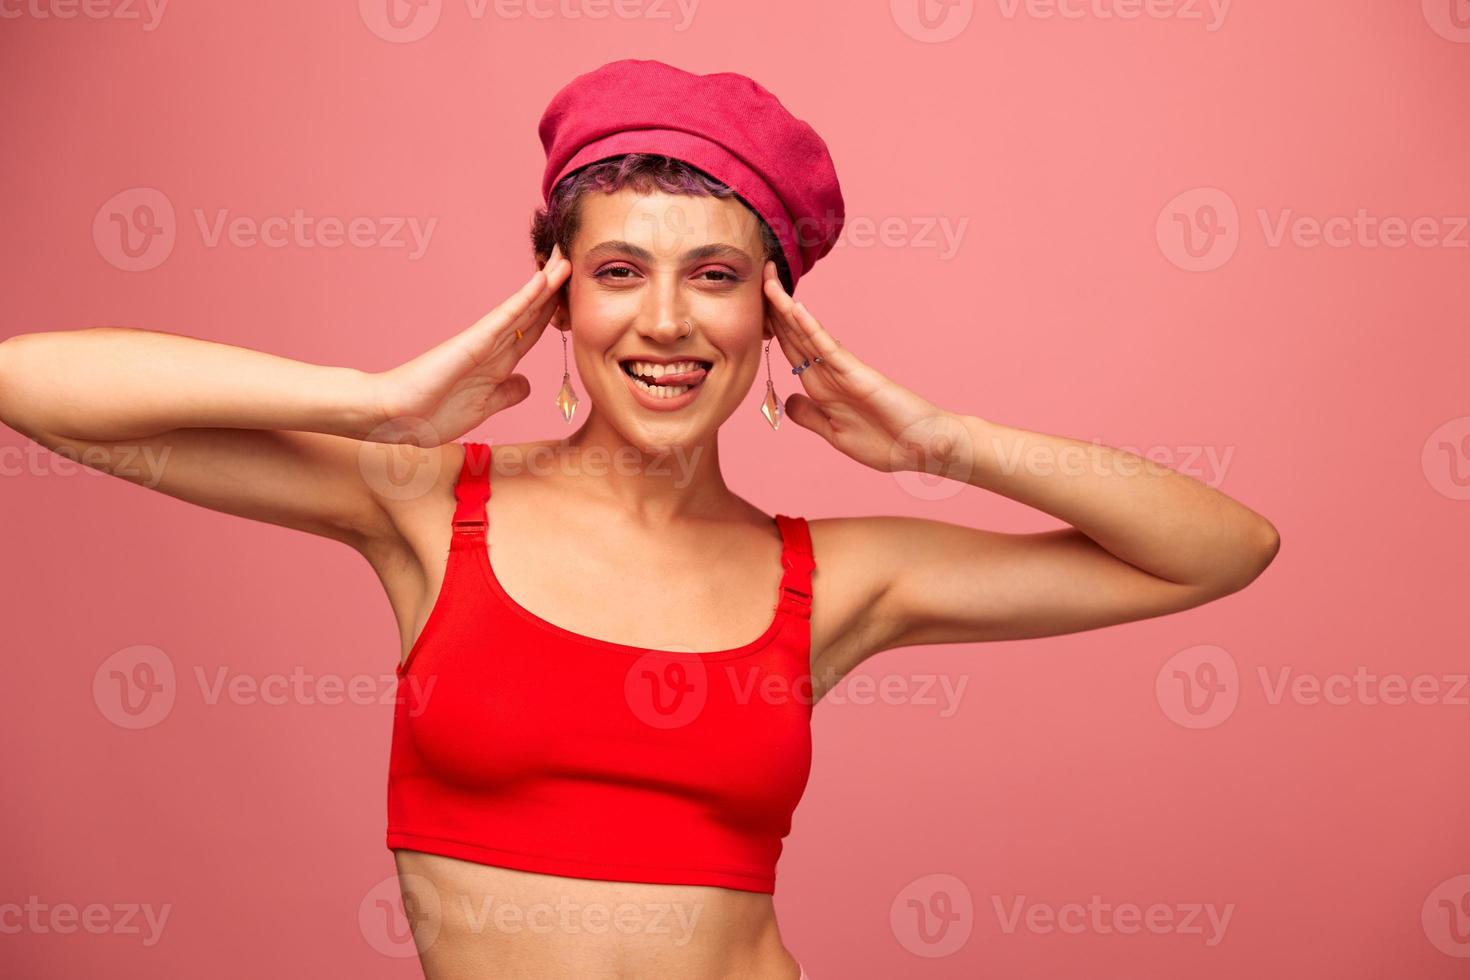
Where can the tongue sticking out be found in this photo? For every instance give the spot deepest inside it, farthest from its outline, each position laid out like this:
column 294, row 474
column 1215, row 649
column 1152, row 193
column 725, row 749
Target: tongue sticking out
column 670, row 380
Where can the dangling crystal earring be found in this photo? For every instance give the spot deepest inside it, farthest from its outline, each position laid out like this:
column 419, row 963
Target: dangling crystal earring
column 567, row 399
column 771, row 407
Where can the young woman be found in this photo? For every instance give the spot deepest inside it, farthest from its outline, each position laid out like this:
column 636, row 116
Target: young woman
column 609, row 658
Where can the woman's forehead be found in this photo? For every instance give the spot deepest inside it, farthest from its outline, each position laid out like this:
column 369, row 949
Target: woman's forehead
column 668, row 225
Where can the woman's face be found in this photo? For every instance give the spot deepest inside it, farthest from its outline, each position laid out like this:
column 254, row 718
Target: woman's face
column 666, row 278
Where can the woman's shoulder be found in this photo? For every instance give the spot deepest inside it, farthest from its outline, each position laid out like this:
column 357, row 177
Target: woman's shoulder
column 855, row 533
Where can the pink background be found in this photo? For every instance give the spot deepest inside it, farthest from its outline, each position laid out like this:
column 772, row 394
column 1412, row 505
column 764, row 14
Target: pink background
column 1323, row 385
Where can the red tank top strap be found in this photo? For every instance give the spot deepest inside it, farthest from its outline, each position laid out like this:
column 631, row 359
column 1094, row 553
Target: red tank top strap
column 797, row 560
column 471, row 491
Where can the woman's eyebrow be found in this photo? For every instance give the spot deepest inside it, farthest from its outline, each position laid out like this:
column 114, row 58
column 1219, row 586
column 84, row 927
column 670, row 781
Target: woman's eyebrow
column 711, row 251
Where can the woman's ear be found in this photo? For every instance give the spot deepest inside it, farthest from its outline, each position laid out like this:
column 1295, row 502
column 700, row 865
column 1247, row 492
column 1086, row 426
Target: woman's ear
column 559, row 316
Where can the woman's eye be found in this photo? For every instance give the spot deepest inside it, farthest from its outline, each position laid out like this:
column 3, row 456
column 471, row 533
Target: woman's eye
column 622, row 273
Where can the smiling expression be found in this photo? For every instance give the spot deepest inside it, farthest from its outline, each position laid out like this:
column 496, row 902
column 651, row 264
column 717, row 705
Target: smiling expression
column 645, row 267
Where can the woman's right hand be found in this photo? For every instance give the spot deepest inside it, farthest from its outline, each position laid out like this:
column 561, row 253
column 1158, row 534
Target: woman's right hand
column 448, row 390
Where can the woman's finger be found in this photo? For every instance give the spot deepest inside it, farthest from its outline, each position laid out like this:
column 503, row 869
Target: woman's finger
column 484, row 334
column 795, row 342
column 805, row 412
column 521, row 311
column 809, row 336
column 556, row 272
column 778, row 305
column 813, row 336
column 784, row 342
column 542, row 310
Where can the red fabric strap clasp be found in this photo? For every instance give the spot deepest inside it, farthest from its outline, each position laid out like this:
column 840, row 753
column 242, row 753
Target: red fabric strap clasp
column 796, row 558
column 471, row 491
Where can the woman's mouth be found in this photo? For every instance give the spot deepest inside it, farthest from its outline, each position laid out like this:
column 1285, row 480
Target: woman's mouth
column 665, row 387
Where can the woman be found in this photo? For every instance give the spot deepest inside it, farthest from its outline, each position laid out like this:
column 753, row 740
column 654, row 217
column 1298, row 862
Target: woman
column 602, row 734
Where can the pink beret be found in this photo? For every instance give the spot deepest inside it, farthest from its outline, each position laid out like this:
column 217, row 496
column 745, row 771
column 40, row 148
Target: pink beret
column 724, row 124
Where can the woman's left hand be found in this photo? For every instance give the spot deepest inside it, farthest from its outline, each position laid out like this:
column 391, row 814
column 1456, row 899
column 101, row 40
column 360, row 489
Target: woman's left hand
column 876, row 421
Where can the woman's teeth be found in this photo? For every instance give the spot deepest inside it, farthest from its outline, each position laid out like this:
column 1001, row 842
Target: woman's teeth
column 661, row 391
column 649, row 370
column 639, row 370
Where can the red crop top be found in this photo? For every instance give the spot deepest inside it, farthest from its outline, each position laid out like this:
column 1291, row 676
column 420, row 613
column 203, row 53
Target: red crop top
column 524, row 745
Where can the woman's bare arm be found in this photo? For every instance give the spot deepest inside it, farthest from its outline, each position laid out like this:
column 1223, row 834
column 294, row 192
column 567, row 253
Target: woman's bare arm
column 256, row 435
column 231, row 429
column 116, row 384
column 1143, row 540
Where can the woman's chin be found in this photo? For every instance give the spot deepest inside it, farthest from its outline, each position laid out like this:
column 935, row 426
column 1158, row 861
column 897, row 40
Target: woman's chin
column 663, row 434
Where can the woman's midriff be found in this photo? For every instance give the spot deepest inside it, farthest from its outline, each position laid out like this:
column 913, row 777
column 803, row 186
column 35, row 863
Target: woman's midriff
column 475, row 920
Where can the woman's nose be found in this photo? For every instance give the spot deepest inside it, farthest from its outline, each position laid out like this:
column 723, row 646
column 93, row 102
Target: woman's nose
column 667, row 322
column 669, row 329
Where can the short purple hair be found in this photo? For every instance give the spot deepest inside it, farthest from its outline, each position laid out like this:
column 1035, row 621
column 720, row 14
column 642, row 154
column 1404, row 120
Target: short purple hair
column 557, row 223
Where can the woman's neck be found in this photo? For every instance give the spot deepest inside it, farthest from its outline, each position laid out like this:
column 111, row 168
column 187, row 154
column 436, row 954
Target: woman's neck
column 658, row 483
